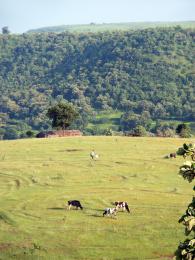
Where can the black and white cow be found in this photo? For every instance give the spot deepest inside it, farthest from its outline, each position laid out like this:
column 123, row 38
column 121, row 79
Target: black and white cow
column 74, row 203
column 110, row 212
column 122, row 205
column 94, row 155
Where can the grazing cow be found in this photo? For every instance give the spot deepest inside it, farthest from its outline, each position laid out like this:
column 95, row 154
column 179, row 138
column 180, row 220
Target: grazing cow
column 74, row 203
column 93, row 155
column 172, row 155
column 122, row 205
column 110, row 212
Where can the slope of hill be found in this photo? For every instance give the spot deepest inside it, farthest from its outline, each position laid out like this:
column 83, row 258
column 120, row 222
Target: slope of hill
column 93, row 27
column 38, row 177
column 149, row 70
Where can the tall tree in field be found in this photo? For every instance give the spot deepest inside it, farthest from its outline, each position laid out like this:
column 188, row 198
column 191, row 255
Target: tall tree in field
column 5, row 30
column 62, row 115
column 186, row 249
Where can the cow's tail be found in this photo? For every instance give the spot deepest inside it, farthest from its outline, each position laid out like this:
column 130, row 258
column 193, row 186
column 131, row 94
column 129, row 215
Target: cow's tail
column 127, row 207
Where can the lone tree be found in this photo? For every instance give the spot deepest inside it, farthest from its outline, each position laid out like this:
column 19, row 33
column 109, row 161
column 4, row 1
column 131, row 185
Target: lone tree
column 183, row 130
column 62, row 115
column 5, row 30
column 186, row 249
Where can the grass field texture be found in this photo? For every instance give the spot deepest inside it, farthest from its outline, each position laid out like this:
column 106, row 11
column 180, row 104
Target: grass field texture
column 39, row 176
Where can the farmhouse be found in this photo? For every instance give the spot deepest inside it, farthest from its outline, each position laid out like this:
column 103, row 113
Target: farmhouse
column 58, row 133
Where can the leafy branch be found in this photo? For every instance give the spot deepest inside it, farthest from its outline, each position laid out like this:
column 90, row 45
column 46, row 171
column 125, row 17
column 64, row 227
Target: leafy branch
column 186, row 249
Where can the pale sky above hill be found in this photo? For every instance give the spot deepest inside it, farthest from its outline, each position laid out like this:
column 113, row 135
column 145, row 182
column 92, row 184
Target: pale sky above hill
column 22, row 15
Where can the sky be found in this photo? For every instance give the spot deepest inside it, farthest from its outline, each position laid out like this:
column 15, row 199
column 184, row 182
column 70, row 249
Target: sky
column 23, row 15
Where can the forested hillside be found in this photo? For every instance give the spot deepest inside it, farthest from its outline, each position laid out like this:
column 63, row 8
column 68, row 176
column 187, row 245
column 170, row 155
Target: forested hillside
column 150, row 70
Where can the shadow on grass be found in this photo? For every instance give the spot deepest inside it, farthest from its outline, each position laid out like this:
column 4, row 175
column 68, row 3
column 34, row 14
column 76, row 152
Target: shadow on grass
column 101, row 210
column 101, row 216
column 71, row 150
column 56, row 208
column 96, row 216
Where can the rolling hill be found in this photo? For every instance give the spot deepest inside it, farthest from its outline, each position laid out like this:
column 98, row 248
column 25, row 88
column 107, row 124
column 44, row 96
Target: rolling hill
column 149, row 73
column 93, row 27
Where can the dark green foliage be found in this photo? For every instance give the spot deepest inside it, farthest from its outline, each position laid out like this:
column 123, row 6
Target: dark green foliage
column 187, row 150
column 187, row 170
column 30, row 133
column 2, row 132
column 189, row 217
column 186, row 250
column 183, row 130
column 131, row 120
column 164, row 129
column 108, row 132
column 11, row 133
column 5, row 30
column 96, row 130
column 148, row 73
column 62, row 115
column 139, row 131
column 191, row 208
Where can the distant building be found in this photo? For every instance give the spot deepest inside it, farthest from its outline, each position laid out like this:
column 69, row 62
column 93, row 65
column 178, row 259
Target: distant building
column 59, row 133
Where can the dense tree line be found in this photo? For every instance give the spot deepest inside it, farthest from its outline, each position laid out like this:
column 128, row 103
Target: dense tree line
column 145, row 73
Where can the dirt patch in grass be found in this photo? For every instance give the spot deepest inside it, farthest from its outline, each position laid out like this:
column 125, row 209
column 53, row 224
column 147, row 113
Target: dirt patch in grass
column 5, row 246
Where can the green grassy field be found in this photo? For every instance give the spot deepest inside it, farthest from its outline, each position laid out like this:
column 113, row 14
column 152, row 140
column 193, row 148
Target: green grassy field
column 39, row 176
column 105, row 120
column 104, row 27
column 111, row 120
